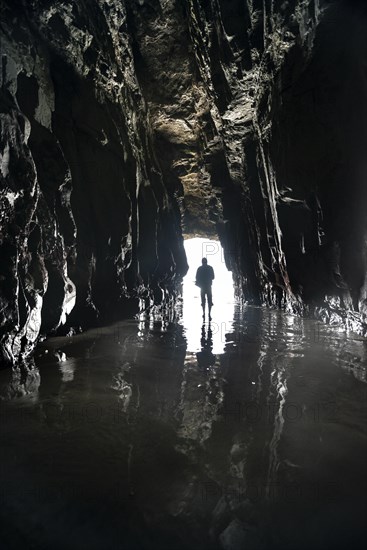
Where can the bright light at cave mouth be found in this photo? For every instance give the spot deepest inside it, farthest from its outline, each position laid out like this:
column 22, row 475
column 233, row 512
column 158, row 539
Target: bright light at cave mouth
column 223, row 296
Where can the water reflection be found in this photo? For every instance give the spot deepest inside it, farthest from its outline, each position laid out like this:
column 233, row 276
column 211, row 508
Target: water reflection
column 260, row 445
column 205, row 357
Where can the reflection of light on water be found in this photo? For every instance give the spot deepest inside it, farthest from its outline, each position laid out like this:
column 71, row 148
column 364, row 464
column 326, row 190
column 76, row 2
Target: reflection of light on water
column 223, row 295
column 67, row 370
column 66, row 366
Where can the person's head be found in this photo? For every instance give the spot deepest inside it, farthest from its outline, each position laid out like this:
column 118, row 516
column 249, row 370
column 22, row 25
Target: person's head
column 204, row 261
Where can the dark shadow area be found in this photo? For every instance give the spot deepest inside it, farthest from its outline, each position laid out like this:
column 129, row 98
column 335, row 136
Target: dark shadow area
column 122, row 438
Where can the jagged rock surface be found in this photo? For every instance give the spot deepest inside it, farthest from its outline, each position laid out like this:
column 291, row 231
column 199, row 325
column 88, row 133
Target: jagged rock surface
column 88, row 225
column 123, row 122
column 254, row 112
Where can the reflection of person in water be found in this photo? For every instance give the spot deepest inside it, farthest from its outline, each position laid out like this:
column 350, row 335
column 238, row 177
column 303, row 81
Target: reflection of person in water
column 204, row 279
column 205, row 357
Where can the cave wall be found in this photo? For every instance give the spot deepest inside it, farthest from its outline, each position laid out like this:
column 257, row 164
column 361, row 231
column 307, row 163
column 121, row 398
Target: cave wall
column 288, row 80
column 258, row 111
column 124, row 124
column 88, row 226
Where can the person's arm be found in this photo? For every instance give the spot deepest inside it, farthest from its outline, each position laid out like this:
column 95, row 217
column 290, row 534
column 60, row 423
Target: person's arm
column 212, row 274
column 197, row 278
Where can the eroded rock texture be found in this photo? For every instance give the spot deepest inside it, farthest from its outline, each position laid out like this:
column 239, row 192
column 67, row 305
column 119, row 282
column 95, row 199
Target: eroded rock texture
column 124, row 123
column 88, row 225
column 258, row 110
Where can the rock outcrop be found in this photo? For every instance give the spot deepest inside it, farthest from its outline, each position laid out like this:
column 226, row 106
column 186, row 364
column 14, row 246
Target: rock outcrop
column 127, row 124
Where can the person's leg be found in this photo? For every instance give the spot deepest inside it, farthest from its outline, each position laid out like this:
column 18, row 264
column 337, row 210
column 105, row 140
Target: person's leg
column 210, row 302
column 203, row 300
column 209, row 294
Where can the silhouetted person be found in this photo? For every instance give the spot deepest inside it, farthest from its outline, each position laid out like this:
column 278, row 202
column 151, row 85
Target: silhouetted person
column 204, row 279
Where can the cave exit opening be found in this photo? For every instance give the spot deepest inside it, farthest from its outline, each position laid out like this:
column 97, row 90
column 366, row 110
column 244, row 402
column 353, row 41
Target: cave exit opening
column 223, row 296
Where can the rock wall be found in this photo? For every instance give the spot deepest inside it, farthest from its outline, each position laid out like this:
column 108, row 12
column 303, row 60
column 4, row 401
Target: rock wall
column 287, row 84
column 258, row 112
column 88, row 225
column 124, row 124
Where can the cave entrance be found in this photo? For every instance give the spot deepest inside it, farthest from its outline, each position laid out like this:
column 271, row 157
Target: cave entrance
column 223, row 295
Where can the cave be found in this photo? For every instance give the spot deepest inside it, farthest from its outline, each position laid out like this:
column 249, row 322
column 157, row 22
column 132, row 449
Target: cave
column 139, row 139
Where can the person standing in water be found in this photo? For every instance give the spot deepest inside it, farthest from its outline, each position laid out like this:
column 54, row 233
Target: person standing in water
column 204, row 279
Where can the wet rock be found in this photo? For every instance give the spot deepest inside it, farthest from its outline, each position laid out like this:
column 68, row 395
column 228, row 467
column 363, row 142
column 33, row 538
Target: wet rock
column 230, row 88
column 86, row 218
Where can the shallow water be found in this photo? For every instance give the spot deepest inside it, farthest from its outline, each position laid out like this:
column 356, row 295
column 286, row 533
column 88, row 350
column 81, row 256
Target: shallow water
column 121, row 438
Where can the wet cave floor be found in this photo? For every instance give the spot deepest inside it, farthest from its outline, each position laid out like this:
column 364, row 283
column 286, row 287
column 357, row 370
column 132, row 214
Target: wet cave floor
column 127, row 437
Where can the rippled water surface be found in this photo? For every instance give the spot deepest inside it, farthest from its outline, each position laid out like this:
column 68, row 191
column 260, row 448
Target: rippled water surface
column 124, row 438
